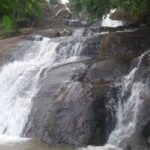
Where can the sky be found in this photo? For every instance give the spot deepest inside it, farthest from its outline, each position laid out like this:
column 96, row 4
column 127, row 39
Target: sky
column 64, row 1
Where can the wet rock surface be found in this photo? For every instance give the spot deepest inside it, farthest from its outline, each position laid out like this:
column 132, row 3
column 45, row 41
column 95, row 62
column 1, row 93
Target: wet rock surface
column 107, row 71
column 7, row 48
column 125, row 45
column 70, row 112
column 75, row 103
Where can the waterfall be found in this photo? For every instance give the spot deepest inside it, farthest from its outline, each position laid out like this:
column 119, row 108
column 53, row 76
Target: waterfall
column 108, row 22
column 131, row 97
column 19, row 84
column 19, row 80
column 130, row 102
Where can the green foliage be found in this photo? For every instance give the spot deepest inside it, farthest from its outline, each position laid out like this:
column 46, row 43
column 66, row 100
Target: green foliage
column 97, row 8
column 77, row 5
column 12, row 10
column 6, row 23
column 135, row 6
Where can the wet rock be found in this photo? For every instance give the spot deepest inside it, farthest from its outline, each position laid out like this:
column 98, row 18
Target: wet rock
column 113, row 29
column 35, row 38
column 61, row 112
column 125, row 45
column 76, row 101
column 75, row 23
column 131, row 18
column 104, row 98
column 106, row 71
column 7, row 48
column 64, row 12
column 91, row 46
column 66, row 32
column 69, row 112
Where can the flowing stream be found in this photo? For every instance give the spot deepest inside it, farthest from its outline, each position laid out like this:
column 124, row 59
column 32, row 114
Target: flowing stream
column 19, row 82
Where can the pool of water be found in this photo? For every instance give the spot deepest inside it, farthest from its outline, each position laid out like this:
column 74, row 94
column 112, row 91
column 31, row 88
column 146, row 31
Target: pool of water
column 17, row 143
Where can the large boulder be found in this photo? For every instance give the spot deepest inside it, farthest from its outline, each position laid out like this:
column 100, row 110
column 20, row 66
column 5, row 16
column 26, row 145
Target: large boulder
column 125, row 45
column 68, row 109
column 76, row 102
column 106, row 71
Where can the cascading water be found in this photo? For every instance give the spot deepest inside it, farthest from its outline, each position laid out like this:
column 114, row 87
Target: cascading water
column 131, row 100
column 128, row 134
column 20, row 81
column 108, row 22
column 19, row 84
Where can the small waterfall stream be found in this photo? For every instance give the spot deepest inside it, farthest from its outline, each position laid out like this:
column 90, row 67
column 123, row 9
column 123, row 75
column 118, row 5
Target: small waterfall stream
column 20, row 84
column 108, row 22
column 131, row 100
column 19, row 81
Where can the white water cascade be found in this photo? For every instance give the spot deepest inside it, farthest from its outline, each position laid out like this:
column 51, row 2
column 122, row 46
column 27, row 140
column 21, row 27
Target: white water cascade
column 19, row 84
column 131, row 99
column 108, row 22
column 19, row 80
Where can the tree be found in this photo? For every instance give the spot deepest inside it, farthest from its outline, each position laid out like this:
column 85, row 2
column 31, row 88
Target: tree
column 77, row 5
column 53, row 2
column 97, row 8
column 136, row 6
column 12, row 10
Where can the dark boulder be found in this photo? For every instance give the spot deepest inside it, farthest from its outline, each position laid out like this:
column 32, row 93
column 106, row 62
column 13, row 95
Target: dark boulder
column 125, row 45
column 68, row 110
column 106, row 71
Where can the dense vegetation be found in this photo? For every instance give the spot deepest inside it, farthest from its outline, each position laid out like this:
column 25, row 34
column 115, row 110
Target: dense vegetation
column 77, row 5
column 11, row 11
column 53, row 1
column 96, row 8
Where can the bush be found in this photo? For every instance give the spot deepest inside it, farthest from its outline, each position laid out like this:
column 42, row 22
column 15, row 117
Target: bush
column 12, row 10
column 97, row 8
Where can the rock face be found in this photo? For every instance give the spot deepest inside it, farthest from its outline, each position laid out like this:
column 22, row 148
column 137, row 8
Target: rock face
column 76, row 102
column 7, row 47
column 125, row 46
column 69, row 110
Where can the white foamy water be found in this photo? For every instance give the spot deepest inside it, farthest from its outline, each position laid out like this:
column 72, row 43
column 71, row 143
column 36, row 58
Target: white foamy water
column 127, row 115
column 129, row 108
column 78, row 32
column 4, row 139
column 108, row 22
column 106, row 147
column 19, row 84
column 19, row 80
column 17, row 143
